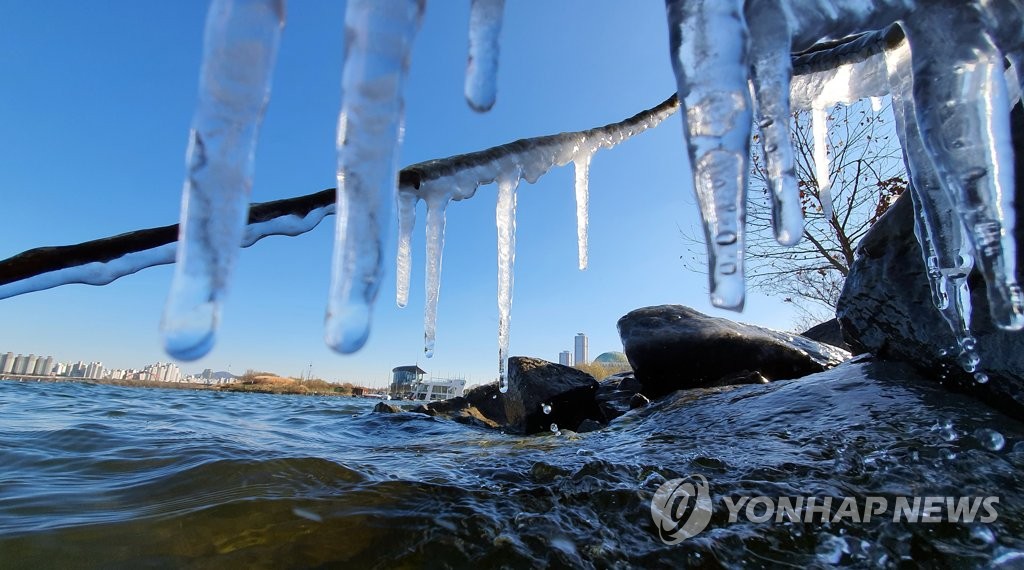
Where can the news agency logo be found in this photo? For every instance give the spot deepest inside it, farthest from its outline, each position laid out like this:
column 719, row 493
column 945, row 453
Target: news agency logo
column 681, row 509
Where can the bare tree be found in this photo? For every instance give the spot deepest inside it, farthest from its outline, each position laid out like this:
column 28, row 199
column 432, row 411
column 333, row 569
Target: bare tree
column 866, row 176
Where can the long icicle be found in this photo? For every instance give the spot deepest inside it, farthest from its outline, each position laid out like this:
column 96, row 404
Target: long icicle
column 582, row 169
column 716, row 95
column 770, row 78
column 819, row 131
column 379, row 36
column 435, row 251
column 505, row 216
column 240, row 47
column 403, row 262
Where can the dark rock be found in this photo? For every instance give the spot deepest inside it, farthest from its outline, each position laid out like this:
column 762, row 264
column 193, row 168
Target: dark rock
column 386, row 408
column 886, row 309
column 588, row 425
column 828, row 332
column 638, row 401
column 614, row 394
column 568, row 393
column 536, row 385
column 672, row 347
column 630, row 383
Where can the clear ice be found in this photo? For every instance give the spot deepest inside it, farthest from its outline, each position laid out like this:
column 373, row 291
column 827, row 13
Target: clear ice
column 378, row 43
column 732, row 65
column 482, row 64
column 956, row 98
column 239, row 49
column 439, row 182
column 505, row 216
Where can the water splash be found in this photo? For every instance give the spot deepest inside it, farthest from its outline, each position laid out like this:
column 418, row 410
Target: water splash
column 239, row 50
column 378, row 41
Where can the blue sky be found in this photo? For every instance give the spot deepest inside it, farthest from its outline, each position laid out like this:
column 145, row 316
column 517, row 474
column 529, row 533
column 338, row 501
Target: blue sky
column 96, row 106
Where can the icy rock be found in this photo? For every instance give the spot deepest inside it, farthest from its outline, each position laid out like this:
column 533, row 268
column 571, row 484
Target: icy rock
column 886, row 307
column 672, row 347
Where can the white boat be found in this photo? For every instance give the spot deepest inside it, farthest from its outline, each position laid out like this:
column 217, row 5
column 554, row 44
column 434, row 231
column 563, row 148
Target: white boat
column 437, row 389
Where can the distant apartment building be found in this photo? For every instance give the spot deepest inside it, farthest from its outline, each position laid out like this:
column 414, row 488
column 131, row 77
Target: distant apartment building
column 565, row 358
column 30, row 364
column 7, row 364
column 582, row 349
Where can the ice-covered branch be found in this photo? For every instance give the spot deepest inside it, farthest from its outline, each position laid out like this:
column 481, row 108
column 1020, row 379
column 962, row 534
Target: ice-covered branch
column 101, row 261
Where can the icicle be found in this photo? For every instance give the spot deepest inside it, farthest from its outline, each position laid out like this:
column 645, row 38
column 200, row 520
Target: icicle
column 435, row 249
column 819, row 131
column 505, row 216
column 403, row 263
column 482, row 66
column 718, row 121
column 961, row 100
column 379, row 36
column 771, row 72
column 945, row 246
column 240, row 45
column 582, row 166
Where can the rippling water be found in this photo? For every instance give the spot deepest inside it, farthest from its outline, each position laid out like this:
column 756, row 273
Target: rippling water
column 103, row 476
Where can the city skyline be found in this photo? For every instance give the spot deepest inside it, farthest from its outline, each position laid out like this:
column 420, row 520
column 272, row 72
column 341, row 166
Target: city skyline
column 104, row 154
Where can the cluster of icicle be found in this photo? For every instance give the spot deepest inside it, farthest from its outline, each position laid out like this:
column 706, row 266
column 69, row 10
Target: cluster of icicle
column 950, row 97
column 439, row 182
column 732, row 61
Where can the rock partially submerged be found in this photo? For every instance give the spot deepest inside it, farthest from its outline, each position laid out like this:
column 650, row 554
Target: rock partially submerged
column 541, row 394
column 672, row 347
column 886, row 309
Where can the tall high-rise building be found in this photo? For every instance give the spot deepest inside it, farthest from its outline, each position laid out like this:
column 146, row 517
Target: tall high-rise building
column 8, row 363
column 582, row 349
column 565, row 358
column 19, row 364
column 30, row 364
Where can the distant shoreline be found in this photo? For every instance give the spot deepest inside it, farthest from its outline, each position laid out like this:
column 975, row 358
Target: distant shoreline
column 258, row 385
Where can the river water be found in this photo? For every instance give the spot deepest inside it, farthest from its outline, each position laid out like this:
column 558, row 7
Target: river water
column 95, row 476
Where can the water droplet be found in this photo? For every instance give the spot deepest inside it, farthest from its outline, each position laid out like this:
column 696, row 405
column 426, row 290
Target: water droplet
column 494, row 397
column 727, row 268
column 948, row 434
column 766, row 122
column 969, row 360
column 991, row 439
column 726, row 238
column 948, row 454
column 969, row 343
column 943, row 353
column 546, row 408
column 554, row 428
column 981, row 378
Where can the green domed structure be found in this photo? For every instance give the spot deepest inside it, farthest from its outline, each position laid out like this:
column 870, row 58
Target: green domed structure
column 612, row 359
